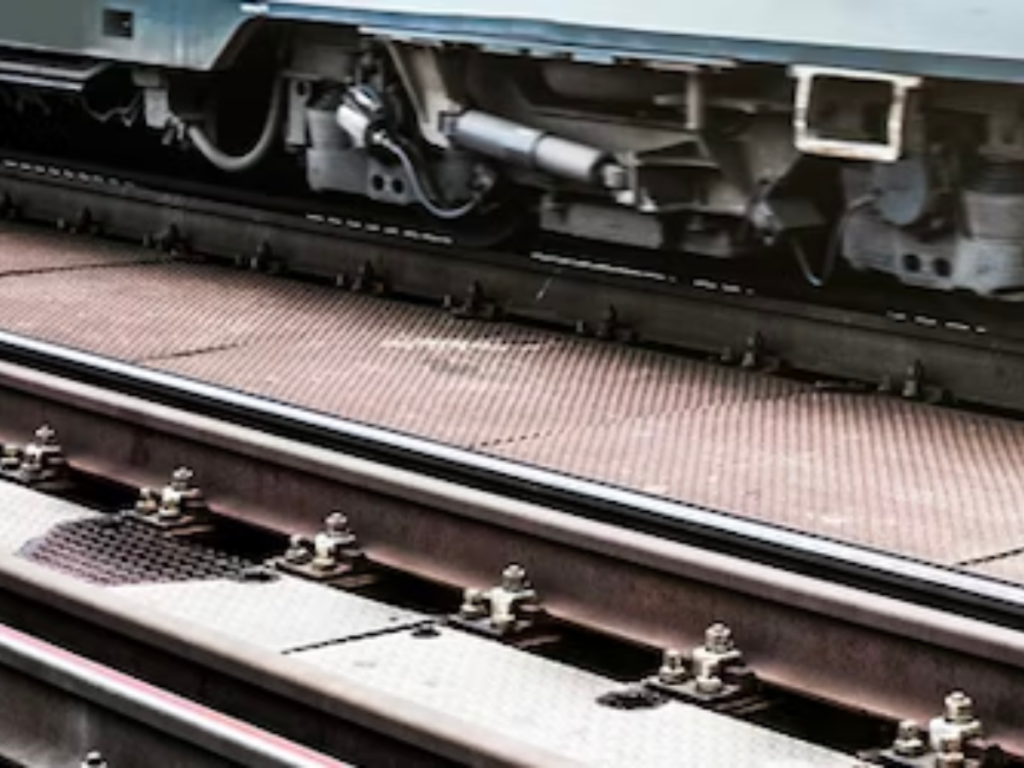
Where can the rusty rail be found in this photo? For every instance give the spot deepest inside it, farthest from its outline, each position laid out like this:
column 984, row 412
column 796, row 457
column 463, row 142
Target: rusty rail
column 863, row 629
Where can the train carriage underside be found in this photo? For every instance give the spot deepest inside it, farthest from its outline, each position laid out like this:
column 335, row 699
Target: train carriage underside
column 891, row 140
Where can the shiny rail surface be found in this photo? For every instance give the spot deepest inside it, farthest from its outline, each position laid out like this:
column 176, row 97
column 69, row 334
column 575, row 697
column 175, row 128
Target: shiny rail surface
column 647, row 569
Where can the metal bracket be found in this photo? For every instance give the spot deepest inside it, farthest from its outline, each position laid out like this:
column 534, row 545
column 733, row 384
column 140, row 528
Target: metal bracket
column 178, row 508
column 39, row 464
column 714, row 675
column 333, row 556
column 952, row 740
column 509, row 611
column 476, row 305
column 809, row 141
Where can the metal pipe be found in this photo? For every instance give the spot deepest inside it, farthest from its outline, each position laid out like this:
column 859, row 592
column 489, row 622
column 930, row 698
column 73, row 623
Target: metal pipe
column 239, row 163
column 525, row 146
column 165, row 712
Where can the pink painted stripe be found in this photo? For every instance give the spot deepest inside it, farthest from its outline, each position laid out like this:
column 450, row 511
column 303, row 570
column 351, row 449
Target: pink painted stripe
column 169, row 701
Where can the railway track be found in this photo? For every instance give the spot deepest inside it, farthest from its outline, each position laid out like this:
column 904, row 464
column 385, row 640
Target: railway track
column 918, row 353
column 870, row 637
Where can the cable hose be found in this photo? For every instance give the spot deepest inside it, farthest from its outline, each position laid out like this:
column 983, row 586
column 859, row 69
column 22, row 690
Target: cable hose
column 238, row 163
column 834, row 245
column 418, row 192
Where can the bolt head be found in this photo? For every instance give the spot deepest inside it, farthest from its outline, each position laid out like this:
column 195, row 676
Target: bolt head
column 336, row 522
column 513, row 578
column 46, row 434
column 718, row 638
column 182, row 476
column 473, row 605
column 673, row 667
column 959, row 708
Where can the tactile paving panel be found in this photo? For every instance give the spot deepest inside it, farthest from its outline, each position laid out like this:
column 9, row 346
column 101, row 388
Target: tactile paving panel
column 281, row 615
column 473, row 384
column 490, row 686
column 923, row 481
column 124, row 550
column 26, row 250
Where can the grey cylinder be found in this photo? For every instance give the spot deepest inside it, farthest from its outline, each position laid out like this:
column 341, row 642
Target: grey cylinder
column 521, row 145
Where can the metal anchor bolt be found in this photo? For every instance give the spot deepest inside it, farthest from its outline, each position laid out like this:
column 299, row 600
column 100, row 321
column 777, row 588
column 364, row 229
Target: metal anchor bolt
column 336, row 522
column 513, row 578
column 673, row 669
column 46, row 435
column 473, row 604
column 718, row 638
column 299, row 549
column 959, row 708
column 182, row 478
column 909, row 742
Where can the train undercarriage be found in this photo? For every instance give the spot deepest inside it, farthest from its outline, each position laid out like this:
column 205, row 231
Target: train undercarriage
column 917, row 178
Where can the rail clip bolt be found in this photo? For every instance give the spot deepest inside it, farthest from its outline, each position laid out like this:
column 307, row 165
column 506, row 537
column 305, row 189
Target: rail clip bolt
column 513, row 578
column 46, row 435
column 959, row 708
column 673, row 669
column 718, row 638
column 94, row 760
column 181, row 478
column 909, row 742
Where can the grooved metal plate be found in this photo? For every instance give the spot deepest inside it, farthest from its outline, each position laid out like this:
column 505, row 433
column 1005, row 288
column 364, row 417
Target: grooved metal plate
column 282, row 615
column 26, row 515
column 477, row 385
column 925, row 482
column 25, row 251
column 493, row 687
column 124, row 550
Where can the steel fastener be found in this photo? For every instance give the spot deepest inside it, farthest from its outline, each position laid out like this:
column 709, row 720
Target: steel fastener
column 959, row 708
column 673, row 669
column 718, row 638
column 513, row 578
column 909, row 742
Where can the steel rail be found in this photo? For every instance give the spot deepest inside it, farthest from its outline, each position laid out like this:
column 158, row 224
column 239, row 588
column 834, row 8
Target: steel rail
column 835, row 342
column 649, row 569
column 956, row 591
column 211, row 732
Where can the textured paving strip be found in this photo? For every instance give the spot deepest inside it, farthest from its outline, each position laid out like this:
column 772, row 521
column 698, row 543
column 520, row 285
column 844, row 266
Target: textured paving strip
column 928, row 482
